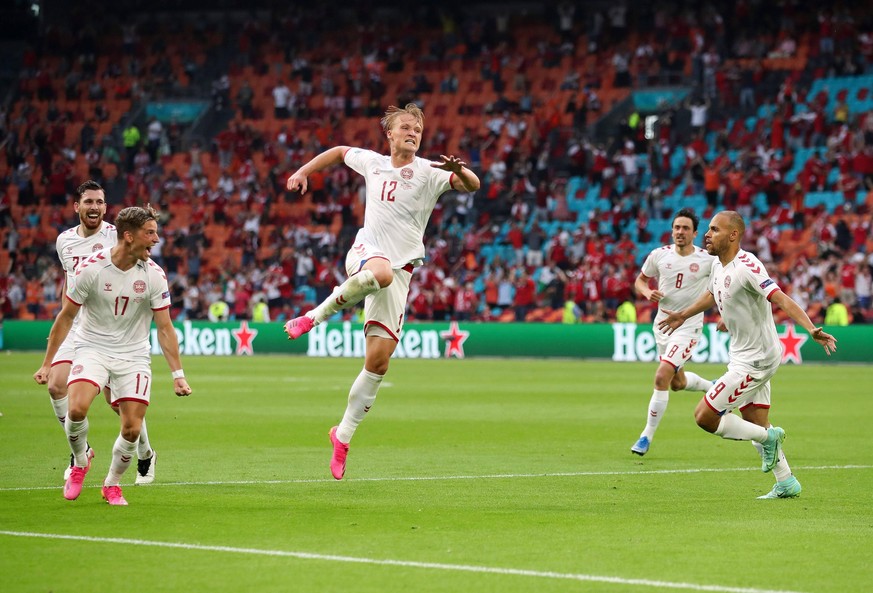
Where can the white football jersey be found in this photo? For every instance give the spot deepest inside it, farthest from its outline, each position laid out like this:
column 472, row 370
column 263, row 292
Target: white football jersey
column 742, row 291
column 73, row 249
column 399, row 203
column 682, row 279
column 117, row 307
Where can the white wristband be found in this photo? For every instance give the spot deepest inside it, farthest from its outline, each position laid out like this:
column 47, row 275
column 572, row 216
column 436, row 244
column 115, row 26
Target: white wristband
column 180, row 374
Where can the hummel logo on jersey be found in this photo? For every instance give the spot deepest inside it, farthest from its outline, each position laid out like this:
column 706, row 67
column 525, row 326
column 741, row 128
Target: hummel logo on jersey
column 107, row 287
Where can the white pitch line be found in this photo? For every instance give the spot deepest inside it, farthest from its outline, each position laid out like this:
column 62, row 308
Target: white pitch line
column 403, row 563
column 458, row 477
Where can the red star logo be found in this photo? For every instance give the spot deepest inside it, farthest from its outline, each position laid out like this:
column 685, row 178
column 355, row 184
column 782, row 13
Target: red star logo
column 244, row 338
column 791, row 343
column 455, row 339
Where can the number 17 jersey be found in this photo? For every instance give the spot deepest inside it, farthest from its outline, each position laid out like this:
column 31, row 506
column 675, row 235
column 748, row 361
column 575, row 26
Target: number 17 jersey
column 117, row 306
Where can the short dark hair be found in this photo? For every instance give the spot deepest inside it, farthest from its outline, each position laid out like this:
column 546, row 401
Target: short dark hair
column 133, row 218
column 88, row 185
column 688, row 213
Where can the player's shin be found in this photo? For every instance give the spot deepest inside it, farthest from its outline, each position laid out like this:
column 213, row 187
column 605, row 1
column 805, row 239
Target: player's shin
column 143, row 446
column 657, row 407
column 361, row 397
column 122, row 454
column 696, row 383
column 60, row 407
column 77, row 436
column 347, row 294
column 735, row 428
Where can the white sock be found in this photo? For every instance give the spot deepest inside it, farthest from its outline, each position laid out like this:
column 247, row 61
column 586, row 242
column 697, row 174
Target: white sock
column 735, row 428
column 77, row 436
column 782, row 471
column 143, row 446
column 361, row 397
column 60, row 406
column 344, row 296
column 657, row 407
column 696, row 382
column 122, row 453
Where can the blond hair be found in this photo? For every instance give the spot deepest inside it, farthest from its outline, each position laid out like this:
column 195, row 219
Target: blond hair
column 394, row 112
column 133, row 218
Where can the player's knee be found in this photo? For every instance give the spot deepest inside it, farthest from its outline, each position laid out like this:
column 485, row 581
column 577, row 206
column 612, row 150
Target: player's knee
column 678, row 383
column 377, row 364
column 57, row 390
column 705, row 421
column 384, row 277
column 130, row 433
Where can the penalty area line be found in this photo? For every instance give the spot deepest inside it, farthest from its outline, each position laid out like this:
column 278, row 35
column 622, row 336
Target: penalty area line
column 495, row 570
column 656, row 472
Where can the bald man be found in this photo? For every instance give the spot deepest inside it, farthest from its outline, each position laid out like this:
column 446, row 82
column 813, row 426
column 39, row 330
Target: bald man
column 743, row 292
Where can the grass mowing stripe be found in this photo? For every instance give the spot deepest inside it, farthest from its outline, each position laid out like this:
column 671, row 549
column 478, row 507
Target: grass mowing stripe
column 403, row 563
column 699, row 470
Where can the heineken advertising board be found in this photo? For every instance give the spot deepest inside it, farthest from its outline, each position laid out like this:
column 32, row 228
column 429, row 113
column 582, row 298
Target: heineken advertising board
column 621, row 342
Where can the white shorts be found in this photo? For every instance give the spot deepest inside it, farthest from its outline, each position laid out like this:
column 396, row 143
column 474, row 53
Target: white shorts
column 740, row 388
column 676, row 349
column 131, row 379
column 384, row 310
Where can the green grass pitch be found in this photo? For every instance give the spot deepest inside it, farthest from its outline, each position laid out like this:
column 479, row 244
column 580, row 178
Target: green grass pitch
column 468, row 475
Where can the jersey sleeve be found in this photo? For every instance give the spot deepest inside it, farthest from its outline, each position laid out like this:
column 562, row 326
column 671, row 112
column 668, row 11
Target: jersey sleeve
column 357, row 159
column 440, row 181
column 82, row 282
column 159, row 289
column 755, row 276
column 650, row 266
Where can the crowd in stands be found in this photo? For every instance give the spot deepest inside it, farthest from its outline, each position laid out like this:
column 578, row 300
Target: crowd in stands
column 778, row 125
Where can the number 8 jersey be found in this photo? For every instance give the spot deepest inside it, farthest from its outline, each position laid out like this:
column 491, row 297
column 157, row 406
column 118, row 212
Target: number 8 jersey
column 117, row 306
column 682, row 279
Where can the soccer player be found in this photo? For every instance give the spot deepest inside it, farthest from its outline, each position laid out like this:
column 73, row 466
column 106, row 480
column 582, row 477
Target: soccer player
column 682, row 271
column 402, row 190
column 75, row 245
column 119, row 290
column 741, row 288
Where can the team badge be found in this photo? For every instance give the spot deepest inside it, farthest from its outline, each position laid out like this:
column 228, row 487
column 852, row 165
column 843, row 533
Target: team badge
column 77, row 369
column 727, row 281
column 139, row 287
column 406, row 173
column 694, row 267
column 107, row 287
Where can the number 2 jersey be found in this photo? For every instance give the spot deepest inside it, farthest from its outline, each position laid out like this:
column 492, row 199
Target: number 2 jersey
column 117, row 306
column 681, row 278
column 73, row 249
column 399, row 203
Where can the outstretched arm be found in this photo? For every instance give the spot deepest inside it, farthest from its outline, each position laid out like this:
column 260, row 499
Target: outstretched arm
column 57, row 335
column 799, row 316
column 170, row 346
column 465, row 180
column 331, row 156
column 675, row 319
